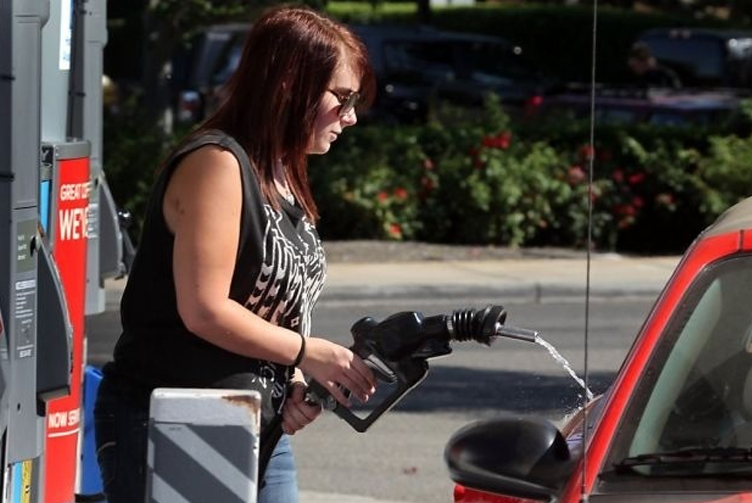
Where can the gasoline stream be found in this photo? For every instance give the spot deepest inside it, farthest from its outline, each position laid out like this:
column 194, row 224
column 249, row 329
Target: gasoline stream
column 564, row 363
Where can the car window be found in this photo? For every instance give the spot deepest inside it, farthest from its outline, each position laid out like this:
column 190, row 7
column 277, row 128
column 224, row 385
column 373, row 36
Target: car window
column 698, row 60
column 212, row 48
column 673, row 119
column 494, row 63
column 228, row 63
column 419, row 61
column 617, row 115
column 696, row 390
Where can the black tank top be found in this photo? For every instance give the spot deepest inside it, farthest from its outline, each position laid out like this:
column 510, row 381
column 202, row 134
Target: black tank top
column 279, row 272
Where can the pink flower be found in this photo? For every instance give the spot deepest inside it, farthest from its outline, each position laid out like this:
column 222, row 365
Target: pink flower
column 400, row 193
column 636, row 178
column 383, row 196
column 665, row 199
column 501, row 141
column 625, row 209
column 575, row 175
column 626, row 222
column 504, row 140
column 395, row 230
column 427, row 183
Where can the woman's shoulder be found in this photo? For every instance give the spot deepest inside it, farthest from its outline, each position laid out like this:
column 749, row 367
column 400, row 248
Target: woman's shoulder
column 212, row 147
column 211, row 154
column 207, row 137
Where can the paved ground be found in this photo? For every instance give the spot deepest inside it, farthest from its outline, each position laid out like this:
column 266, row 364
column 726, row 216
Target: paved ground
column 363, row 270
column 366, row 269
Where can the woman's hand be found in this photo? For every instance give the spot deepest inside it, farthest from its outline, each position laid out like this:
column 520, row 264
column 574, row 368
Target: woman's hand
column 335, row 367
column 297, row 412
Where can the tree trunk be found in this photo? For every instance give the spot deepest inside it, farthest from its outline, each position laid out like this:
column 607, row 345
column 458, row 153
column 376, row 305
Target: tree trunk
column 424, row 11
column 158, row 47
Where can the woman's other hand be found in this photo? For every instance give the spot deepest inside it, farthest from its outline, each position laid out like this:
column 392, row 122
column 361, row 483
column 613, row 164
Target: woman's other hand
column 297, row 412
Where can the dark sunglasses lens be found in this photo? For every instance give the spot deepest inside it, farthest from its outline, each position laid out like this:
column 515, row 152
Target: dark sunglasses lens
column 350, row 102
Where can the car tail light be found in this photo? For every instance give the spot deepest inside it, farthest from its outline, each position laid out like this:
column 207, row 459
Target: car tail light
column 459, row 493
column 534, row 101
column 189, row 107
column 464, row 494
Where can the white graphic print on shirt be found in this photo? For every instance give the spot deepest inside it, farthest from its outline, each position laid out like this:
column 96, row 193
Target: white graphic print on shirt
column 289, row 282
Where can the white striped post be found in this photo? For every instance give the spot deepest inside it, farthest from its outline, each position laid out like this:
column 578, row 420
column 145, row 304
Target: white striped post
column 203, row 446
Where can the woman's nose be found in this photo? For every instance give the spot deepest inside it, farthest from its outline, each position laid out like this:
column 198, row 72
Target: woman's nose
column 350, row 118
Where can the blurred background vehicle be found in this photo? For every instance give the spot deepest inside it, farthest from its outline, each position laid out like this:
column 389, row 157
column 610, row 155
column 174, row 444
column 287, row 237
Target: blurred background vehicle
column 200, row 69
column 659, row 107
column 420, row 67
column 416, row 68
column 676, row 425
column 704, row 57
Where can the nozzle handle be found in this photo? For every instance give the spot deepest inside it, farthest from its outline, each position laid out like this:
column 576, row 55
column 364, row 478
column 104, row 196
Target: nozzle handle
column 522, row 334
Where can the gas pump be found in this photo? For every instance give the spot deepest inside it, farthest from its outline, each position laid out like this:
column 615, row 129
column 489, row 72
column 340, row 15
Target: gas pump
column 59, row 239
column 36, row 369
column 105, row 241
column 104, row 257
column 65, row 230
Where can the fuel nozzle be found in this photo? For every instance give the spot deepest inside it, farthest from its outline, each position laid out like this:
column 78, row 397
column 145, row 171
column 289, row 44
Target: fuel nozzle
column 398, row 348
column 521, row 334
column 484, row 325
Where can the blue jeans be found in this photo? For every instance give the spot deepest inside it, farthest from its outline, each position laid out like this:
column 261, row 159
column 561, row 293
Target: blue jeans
column 121, row 436
column 280, row 483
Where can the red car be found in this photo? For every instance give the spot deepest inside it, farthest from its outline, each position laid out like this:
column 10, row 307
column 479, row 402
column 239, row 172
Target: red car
column 675, row 426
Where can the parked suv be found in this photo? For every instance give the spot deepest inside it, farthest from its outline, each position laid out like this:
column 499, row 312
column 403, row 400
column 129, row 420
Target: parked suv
column 418, row 66
column 710, row 108
column 201, row 68
column 704, row 57
column 415, row 67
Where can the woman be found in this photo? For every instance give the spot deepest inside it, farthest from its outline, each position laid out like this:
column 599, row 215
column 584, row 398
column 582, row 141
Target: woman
column 229, row 264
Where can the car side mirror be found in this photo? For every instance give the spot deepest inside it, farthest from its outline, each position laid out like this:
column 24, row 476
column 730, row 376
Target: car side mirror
column 521, row 457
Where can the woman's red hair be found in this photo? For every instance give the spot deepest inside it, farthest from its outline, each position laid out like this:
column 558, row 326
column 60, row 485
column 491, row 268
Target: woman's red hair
column 271, row 102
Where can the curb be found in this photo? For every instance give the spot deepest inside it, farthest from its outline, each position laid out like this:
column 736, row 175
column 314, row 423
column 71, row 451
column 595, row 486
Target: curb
column 532, row 292
column 512, row 280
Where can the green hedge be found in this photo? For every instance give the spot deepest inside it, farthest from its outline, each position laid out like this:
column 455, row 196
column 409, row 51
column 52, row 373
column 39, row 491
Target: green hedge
column 483, row 180
column 478, row 178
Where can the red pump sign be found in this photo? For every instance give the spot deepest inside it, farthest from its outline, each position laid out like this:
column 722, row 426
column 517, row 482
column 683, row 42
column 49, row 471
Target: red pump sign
column 69, row 251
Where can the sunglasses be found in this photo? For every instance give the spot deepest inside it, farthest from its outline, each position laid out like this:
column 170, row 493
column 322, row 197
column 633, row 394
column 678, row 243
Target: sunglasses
column 347, row 102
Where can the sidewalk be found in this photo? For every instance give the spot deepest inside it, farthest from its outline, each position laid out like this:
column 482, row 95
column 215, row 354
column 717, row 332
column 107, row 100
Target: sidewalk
column 525, row 279
column 529, row 279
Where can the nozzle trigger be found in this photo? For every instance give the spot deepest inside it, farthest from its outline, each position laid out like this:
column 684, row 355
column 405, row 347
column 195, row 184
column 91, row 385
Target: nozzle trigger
column 381, row 369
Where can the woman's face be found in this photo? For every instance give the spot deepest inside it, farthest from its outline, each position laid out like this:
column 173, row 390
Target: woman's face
column 329, row 122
